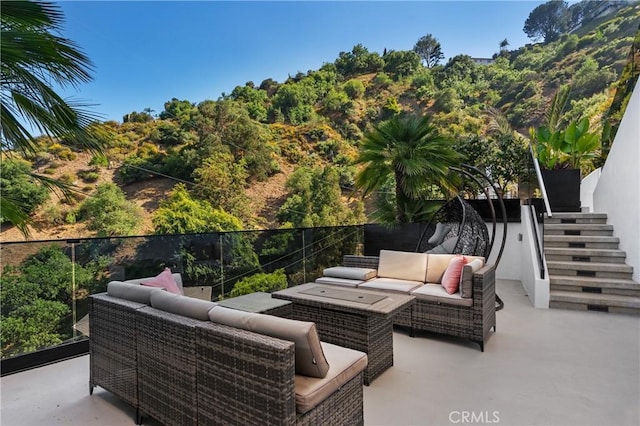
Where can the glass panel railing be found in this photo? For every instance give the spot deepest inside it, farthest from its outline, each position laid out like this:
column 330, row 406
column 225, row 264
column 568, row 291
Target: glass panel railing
column 43, row 293
column 45, row 285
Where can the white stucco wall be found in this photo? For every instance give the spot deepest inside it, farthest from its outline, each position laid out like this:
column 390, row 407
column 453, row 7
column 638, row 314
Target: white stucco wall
column 536, row 287
column 618, row 190
column 509, row 266
column 587, row 187
column 519, row 260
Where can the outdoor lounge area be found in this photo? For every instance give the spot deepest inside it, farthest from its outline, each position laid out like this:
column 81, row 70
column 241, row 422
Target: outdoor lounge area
column 546, row 367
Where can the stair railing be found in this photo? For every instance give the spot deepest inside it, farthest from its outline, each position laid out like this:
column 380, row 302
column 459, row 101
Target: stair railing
column 539, row 241
column 543, row 189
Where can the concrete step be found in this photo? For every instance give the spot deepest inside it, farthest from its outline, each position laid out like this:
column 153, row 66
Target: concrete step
column 581, row 241
column 576, row 218
column 595, row 302
column 594, row 285
column 565, row 254
column 578, row 229
column 590, row 269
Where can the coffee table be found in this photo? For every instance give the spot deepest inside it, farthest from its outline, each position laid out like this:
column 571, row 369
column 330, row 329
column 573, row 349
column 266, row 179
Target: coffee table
column 259, row 302
column 353, row 318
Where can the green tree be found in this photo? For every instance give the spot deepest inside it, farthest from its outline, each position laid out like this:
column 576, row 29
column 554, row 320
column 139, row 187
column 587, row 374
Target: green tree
column 354, row 88
column 590, row 79
column 254, row 100
column 18, row 185
column 137, row 117
column 221, row 181
column 429, row 49
column 547, row 21
column 35, row 298
column 227, row 123
column 314, row 199
column 410, row 150
column 459, row 68
column 170, row 133
column 32, row 326
column 447, row 100
column 337, row 101
column 401, row 62
column 182, row 214
column 293, row 99
column 504, row 44
column 180, row 111
column 358, row 61
column 34, row 58
column 109, row 213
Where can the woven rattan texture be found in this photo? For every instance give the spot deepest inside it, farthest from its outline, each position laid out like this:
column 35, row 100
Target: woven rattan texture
column 244, row 378
column 167, row 368
column 472, row 323
column 112, row 346
column 197, row 372
column 343, row 407
column 365, row 333
column 282, row 311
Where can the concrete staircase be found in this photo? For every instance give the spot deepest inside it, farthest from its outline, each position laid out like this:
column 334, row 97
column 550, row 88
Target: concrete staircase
column 587, row 271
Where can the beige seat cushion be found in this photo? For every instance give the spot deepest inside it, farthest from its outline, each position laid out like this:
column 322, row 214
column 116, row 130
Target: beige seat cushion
column 351, row 273
column 436, row 293
column 402, row 265
column 310, row 360
column 345, row 365
column 391, row 284
column 339, row 281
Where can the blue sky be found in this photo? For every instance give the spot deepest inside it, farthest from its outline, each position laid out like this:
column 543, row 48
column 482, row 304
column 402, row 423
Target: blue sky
column 147, row 52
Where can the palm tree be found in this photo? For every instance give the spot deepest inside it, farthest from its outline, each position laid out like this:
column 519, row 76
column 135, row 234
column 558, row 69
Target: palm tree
column 410, row 151
column 33, row 58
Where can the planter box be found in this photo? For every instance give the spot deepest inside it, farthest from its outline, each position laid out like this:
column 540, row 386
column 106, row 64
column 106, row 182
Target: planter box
column 563, row 189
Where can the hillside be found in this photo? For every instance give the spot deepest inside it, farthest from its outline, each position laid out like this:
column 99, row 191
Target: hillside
column 238, row 152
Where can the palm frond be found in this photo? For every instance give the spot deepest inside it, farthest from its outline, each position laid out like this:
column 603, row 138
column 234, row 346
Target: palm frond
column 555, row 113
column 34, row 57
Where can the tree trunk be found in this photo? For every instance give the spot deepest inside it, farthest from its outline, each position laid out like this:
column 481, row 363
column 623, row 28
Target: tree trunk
column 401, row 200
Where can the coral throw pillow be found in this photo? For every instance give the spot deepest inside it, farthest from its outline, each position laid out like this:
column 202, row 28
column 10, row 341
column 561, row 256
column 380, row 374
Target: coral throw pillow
column 451, row 277
column 163, row 280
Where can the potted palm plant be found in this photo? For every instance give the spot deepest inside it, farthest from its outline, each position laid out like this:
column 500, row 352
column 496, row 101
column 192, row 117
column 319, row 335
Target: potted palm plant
column 561, row 154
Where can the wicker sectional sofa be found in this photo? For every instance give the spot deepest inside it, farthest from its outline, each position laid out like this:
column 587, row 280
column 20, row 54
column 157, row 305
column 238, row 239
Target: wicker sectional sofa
column 468, row 313
column 163, row 354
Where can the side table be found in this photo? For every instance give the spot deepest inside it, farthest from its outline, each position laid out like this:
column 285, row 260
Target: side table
column 259, row 302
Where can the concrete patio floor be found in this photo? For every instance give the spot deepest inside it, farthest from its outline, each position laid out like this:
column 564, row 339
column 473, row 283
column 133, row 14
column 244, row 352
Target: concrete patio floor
column 542, row 367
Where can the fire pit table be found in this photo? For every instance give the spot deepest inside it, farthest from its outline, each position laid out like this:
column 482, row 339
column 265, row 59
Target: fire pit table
column 353, row 318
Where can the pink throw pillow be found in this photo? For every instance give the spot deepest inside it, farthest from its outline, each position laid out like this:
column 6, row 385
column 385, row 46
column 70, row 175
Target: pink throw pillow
column 164, row 280
column 451, row 277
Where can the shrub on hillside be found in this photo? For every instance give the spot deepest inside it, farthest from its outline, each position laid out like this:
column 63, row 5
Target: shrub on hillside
column 109, row 213
column 260, row 282
column 182, row 214
column 382, row 80
column 99, row 160
column 88, row 176
column 354, row 89
column 16, row 184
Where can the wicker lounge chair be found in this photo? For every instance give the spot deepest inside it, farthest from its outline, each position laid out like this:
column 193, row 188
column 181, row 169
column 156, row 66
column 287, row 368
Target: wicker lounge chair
column 470, row 322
